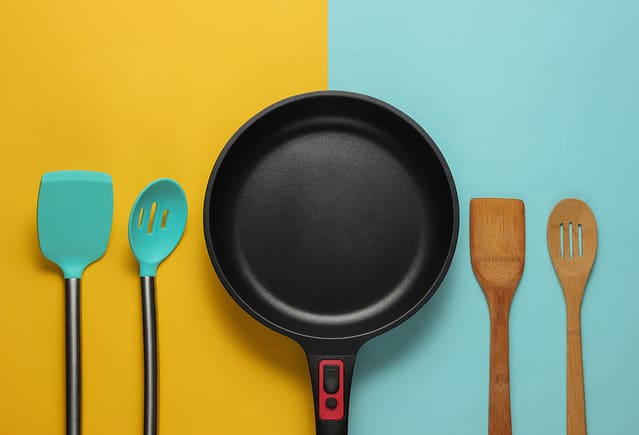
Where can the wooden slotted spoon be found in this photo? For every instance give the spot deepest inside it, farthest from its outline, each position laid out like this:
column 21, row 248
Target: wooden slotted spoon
column 497, row 252
column 572, row 244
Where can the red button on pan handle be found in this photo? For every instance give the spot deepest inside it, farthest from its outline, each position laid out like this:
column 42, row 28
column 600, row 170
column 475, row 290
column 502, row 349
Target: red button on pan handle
column 331, row 405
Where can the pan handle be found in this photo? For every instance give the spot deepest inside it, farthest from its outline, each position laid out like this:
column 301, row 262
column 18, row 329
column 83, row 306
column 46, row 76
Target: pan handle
column 331, row 376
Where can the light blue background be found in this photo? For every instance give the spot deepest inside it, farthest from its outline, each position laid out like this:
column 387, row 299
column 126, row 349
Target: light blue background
column 537, row 100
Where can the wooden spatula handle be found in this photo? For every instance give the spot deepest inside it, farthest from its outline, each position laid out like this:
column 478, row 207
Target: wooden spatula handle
column 575, row 400
column 499, row 421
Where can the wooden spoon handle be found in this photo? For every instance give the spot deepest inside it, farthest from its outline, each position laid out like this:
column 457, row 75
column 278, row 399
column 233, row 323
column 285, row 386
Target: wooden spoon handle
column 575, row 401
column 499, row 422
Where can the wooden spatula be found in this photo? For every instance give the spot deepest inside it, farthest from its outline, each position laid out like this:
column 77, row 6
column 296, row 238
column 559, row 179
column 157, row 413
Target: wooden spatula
column 497, row 252
column 572, row 244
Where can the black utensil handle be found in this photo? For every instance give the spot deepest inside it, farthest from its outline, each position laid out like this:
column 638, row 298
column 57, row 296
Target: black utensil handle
column 331, row 376
column 149, row 337
column 72, row 289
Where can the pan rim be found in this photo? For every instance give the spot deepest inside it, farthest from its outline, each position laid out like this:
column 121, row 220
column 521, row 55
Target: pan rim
column 364, row 336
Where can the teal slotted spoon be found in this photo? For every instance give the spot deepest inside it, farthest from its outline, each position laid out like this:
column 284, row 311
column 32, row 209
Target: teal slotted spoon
column 156, row 225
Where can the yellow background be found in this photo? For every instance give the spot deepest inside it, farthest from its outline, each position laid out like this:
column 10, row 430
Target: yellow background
column 142, row 89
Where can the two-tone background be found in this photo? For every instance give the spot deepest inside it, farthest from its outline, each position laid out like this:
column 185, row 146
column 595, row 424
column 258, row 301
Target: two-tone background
column 531, row 99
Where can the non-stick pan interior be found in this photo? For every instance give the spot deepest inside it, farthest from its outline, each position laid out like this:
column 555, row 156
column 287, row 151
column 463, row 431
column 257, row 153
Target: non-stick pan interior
column 330, row 216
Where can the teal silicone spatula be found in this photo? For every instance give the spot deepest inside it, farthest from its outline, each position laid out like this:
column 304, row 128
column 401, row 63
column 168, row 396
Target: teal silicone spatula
column 75, row 211
column 156, row 225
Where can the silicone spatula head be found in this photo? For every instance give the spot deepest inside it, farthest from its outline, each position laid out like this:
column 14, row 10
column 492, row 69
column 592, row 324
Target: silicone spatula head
column 75, row 211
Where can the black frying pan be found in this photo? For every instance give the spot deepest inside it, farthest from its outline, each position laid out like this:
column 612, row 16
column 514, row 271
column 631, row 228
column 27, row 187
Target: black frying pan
column 331, row 217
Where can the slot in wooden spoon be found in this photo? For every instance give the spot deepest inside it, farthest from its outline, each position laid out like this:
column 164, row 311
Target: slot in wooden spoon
column 572, row 244
column 497, row 253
